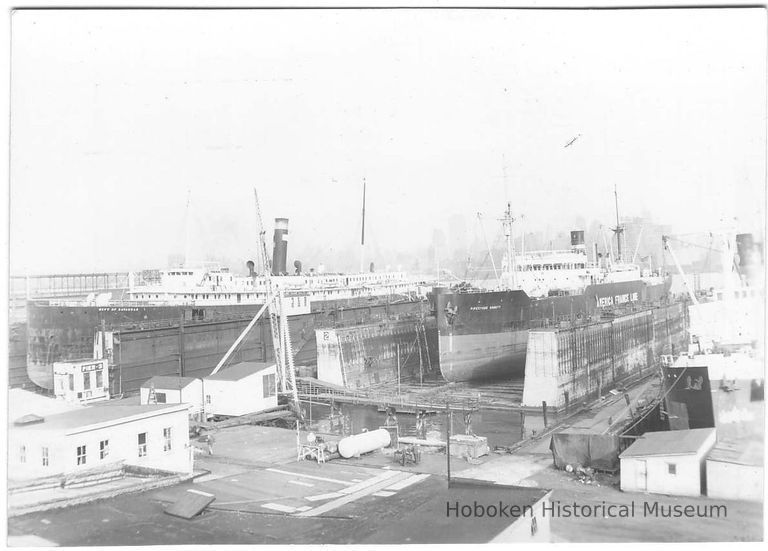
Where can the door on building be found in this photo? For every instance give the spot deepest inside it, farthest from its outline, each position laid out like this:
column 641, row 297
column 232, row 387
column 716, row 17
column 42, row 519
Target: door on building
column 642, row 475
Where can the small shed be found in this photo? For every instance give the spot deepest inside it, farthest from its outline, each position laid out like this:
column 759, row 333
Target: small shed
column 735, row 470
column 668, row 462
column 164, row 389
column 246, row 387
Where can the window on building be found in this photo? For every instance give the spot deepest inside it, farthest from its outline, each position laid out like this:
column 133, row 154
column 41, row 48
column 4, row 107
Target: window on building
column 99, row 379
column 672, row 468
column 142, row 444
column 207, row 398
column 160, row 397
column 86, row 381
column 23, row 454
column 167, row 439
column 71, row 381
column 45, row 456
column 268, row 384
column 81, row 455
column 103, row 449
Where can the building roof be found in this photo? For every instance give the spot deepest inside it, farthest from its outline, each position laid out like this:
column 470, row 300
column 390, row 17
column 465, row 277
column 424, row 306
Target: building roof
column 239, row 371
column 170, row 382
column 741, row 452
column 672, row 442
column 96, row 416
column 432, row 521
column 22, row 403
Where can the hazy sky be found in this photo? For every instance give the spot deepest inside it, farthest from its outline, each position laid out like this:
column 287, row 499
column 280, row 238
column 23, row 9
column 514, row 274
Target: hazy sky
column 116, row 115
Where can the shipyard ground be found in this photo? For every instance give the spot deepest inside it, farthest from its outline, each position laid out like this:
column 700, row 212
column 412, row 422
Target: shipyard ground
column 260, row 487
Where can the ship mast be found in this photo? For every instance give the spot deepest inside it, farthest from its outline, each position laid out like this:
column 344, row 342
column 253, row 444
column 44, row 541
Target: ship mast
column 619, row 229
column 187, row 225
column 362, row 235
column 507, row 224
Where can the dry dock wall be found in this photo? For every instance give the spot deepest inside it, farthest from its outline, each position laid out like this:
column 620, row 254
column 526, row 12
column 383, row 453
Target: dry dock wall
column 565, row 366
column 361, row 356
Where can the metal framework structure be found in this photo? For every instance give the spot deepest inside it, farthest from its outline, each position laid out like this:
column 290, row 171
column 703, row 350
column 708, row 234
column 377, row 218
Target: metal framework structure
column 62, row 285
column 278, row 320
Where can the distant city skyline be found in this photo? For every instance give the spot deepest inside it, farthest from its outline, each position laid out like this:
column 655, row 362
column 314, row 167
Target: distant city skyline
column 444, row 113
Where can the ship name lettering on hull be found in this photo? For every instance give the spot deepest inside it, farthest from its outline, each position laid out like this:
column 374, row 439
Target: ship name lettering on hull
column 494, row 307
column 602, row 302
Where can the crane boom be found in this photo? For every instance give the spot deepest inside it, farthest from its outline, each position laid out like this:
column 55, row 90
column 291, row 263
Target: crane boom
column 265, row 260
column 688, row 287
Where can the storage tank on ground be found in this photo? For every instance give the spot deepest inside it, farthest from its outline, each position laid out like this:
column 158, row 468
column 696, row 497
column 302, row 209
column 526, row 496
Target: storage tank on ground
column 365, row 442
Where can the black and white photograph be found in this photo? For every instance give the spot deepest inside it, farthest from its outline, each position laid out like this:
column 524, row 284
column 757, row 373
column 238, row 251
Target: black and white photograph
column 362, row 274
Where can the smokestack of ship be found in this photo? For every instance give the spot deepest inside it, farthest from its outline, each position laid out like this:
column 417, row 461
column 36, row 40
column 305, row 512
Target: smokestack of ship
column 280, row 249
column 577, row 241
column 749, row 258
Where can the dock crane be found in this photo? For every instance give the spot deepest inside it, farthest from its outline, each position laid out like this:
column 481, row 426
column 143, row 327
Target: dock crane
column 278, row 320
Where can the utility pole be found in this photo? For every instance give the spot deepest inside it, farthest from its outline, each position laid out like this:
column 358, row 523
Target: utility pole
column 398, row 369
column 448, row 439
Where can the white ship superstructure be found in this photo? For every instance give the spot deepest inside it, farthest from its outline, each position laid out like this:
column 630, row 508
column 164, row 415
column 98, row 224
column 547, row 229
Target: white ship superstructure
column 218, row 286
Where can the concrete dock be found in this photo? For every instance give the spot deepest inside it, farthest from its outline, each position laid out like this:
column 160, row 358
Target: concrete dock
column 264, row 496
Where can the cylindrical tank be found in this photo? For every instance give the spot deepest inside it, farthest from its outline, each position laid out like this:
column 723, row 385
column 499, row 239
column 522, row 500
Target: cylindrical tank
column 280, row 249
column 365, row 442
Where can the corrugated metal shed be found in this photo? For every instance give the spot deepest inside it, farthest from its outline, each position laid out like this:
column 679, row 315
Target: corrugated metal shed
column 673, row 442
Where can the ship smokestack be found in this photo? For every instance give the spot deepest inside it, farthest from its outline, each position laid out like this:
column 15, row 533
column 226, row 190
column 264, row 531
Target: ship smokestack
column 595, row 255
column 280, row 249
column 749, row 260
column 577, row 241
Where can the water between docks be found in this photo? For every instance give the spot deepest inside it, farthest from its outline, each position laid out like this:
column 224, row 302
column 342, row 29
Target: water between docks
column 502, row 428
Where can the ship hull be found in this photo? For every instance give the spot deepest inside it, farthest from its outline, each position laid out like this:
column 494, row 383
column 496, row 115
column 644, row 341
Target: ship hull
column 144, row 341
column 483, row 355
column 484, row 334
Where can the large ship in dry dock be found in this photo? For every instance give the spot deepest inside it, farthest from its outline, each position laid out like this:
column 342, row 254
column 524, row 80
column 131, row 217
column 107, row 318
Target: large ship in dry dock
column 483, row 334
column 182, row 321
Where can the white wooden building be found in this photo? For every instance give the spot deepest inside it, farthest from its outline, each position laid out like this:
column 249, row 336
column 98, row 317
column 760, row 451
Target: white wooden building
column 246, row 387
column 162, row 389
column 668, row 462
column 735, row 470
column 152, row 437
column 83, row 381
